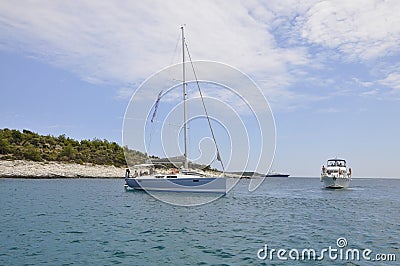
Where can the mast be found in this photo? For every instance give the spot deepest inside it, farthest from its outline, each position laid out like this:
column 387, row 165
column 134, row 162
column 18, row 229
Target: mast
column 184, row 100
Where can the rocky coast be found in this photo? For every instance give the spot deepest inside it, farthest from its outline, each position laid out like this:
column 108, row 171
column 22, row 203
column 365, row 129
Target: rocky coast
column 30, row 169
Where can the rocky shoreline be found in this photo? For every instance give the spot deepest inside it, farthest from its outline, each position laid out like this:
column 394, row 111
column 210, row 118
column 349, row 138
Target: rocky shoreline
column 30, row 169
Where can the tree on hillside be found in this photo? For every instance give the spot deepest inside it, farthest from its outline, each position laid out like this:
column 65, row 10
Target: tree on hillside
column 67, row 153
column 31, row 153
column 4, row 146
column 32, row 146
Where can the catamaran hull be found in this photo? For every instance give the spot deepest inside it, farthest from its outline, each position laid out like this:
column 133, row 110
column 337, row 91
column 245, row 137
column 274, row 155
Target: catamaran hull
column 204, row 185
column 335, row 182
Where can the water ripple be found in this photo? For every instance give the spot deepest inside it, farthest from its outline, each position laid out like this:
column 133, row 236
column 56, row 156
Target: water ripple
column 115, row 227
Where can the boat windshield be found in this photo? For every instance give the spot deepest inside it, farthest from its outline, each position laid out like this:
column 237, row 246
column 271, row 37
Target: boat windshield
column 340, row 163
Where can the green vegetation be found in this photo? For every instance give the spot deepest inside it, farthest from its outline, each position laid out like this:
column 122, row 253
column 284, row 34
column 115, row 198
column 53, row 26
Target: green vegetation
column 27, row 145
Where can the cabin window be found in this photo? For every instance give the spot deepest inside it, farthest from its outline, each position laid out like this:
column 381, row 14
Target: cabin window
column 159, row 176
column 196, row 180
column 340, row 163
column 171, row 176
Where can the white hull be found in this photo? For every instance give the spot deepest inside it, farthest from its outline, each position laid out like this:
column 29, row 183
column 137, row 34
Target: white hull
column 183, row 184
column 335, row 182
column 336, row 174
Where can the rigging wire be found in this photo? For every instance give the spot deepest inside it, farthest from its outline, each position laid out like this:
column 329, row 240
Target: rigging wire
column 176, row 47
column 205, row 109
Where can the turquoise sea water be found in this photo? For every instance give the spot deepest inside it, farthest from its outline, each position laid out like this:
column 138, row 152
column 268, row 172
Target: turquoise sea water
column 95, row 222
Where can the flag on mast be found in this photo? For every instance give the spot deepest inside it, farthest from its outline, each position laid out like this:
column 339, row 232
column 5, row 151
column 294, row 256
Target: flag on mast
column 219, row 157
column 156, row 106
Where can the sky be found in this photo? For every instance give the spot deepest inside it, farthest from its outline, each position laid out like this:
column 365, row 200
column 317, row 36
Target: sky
column 329, row 69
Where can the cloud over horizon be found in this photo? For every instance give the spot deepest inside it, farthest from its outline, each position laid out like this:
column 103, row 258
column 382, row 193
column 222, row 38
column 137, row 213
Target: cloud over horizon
column 280, row 43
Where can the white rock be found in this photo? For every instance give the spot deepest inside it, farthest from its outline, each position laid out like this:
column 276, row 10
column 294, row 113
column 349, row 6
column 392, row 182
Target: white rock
column 22, row 168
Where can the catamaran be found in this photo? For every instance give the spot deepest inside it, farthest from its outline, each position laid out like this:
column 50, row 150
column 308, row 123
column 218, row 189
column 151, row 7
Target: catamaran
column 185, row 179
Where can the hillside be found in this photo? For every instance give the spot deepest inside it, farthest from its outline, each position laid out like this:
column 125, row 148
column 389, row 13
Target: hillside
column 27, row 145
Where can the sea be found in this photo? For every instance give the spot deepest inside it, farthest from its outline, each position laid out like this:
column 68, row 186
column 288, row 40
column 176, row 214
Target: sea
column 283, row 222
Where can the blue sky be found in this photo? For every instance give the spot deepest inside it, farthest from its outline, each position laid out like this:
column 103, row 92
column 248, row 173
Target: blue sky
column 329, row 69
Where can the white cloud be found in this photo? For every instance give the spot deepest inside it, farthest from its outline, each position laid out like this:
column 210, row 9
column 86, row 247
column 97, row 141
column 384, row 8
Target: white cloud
column 330, row 110
column 392, row 81
column 125, row 41
column 125, row 92
column 122, row 43
column 363, row 83
column 370, row 93
column 361, row 29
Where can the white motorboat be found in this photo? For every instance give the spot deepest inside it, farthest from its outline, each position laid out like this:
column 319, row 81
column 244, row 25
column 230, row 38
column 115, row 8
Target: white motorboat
column 185, row 180
column 336, row 174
